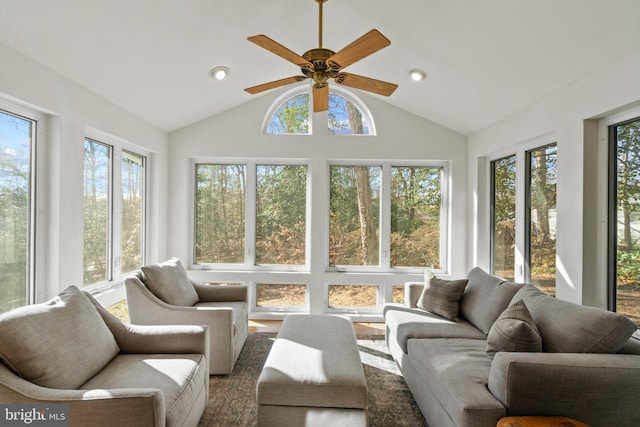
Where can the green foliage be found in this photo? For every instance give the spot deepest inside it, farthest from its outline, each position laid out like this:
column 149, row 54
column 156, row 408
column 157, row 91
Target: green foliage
column 220, row 213
column 629, row 266
column 292, row 117
column 281, row 214
column 14, row 210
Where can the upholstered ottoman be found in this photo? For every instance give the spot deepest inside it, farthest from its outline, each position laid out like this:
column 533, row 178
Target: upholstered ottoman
column 313, row 375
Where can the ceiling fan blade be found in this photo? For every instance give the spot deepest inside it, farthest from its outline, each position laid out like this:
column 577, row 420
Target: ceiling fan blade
column 366, row 83
column 275, row 47
column 274, row 84
column 320, row 97
column 369, row 43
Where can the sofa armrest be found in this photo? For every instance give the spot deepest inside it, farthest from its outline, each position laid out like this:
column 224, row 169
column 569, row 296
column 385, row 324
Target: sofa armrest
column 592, row 388
column 175, row 338
column 412, row 292
column 140, row 407
column 168, row 339
column 221, row 292
column 147, row 309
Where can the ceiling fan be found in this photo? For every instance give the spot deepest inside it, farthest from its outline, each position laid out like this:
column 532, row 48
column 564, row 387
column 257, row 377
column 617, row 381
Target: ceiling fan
column 321, row 64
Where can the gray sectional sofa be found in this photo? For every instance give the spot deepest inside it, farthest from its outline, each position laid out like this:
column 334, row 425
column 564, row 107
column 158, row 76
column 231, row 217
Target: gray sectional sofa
column 500, row 359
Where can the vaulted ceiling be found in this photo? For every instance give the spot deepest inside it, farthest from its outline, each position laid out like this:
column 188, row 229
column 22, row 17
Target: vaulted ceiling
column 485, row 59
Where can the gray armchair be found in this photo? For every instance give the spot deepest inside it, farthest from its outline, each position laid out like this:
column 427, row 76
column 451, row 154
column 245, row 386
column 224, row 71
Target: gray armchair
column 70, row 351
column 162, row 294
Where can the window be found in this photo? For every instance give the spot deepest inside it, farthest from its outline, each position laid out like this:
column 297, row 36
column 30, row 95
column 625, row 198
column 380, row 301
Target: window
column 280, row 214
column 416, row 205
column 97, row 212
column 114, row 226
column 363, row 234
column 220, row 213
column 17, row 147
column 503, row 216
column 133, row 210
column 278, row 233
column 292, row 117
column 346, row 115
column 541, row 217
column 353, row 298
column 355, row 215
column 624, row 218
column 281, row 296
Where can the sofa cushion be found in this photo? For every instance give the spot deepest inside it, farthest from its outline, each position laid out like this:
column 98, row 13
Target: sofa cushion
column 57, row 344
column 176, row 375
column 442, row 297
column 566, row 327
column 457, row 372
column 485, row 298
column 169, row 282
column 514, row 330
column 403, row 324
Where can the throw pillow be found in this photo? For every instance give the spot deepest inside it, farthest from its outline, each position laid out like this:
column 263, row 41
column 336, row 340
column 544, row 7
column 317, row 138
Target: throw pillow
column 442, row 297
column 57, row 344
column 514, row 330
column 169, row 282
column 566, row 327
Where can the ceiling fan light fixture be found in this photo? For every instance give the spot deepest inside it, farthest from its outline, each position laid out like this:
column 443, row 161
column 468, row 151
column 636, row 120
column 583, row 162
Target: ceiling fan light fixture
column 219, row 73
column 417, row 75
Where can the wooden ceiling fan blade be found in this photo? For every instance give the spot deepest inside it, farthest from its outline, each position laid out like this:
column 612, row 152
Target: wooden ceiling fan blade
column 369, row 43
column 366, row 83
column 320, row 97
column 274, row 84
column 275, row 47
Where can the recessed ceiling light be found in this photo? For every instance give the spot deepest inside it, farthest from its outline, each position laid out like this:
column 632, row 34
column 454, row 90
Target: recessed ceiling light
column 417, row 75
column 219, row 73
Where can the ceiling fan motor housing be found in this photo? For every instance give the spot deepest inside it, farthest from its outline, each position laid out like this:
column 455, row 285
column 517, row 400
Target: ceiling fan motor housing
column 321, row 71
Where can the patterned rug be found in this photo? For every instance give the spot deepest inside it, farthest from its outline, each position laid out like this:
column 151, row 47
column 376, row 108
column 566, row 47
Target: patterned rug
column 232, row 398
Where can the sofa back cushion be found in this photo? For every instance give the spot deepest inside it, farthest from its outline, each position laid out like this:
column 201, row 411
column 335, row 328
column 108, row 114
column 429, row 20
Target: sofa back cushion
column 169, row 282
column 57, row 344
column 485, row 298
column 566, row 327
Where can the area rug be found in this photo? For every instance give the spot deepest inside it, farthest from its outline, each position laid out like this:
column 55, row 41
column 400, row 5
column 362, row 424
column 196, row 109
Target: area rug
column 232, row 398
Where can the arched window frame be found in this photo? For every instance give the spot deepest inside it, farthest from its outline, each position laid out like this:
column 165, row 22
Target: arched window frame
column 315, row 118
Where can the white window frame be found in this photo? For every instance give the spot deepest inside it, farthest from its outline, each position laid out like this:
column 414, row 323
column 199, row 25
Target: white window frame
column 250, row 216
column 385, row 216
column 118, row 145
column 37, row 195
column 318, row 121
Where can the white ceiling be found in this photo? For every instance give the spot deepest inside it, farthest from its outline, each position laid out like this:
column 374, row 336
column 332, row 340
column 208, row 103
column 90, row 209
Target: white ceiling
column 485, row 59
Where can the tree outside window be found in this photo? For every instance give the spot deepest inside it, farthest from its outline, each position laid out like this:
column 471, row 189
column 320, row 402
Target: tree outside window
column 625, row 217
column 503, row 204
column 16, row 142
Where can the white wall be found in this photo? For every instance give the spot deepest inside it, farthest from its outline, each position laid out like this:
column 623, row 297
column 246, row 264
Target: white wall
column 569, row 117
column 71, row 112
column 237, row 134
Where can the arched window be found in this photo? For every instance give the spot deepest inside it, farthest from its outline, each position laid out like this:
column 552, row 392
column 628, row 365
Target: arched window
column 292, row 117
column 290, row 114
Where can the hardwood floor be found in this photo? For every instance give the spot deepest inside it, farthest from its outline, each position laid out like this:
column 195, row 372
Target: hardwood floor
column 362, row 328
